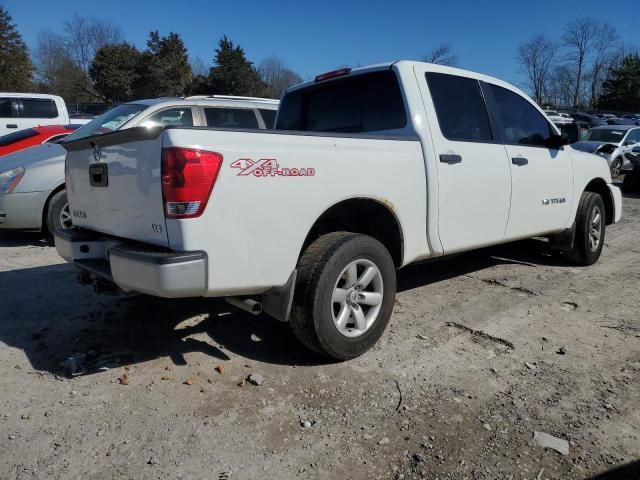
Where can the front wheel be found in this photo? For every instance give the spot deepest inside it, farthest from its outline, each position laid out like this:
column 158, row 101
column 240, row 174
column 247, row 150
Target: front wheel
column 590, row 230
column 616, row 168
column 344, row 295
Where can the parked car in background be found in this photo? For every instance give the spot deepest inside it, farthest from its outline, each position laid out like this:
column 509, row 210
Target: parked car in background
column 614, row 143
column 366, row 171
column 32, row 190
column 623, row 121
column 585, row 121
column 19, row 111
column 632, row 116
column 556, row 118
column 30, row 137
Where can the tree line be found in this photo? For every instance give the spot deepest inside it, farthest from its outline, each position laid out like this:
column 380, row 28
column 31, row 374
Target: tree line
column 89, row 61
column 588, row 66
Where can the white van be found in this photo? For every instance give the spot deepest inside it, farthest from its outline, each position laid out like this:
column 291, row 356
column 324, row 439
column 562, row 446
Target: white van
column 25, row 110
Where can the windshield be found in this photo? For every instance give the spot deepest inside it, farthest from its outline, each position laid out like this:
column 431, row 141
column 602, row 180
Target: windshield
column 109, row 121
column 604, row 135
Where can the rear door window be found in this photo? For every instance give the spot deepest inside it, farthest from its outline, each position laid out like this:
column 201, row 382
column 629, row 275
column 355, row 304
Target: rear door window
column 460, row 108
column 269, row 117
column 231, row 118
column 522, row 123
column 18, row 136
column 353, row 104
column 38, row 108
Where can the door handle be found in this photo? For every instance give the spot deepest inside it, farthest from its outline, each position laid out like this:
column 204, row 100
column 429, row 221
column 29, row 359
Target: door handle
column 12, row 125
column 519, row 161
column 450, row 159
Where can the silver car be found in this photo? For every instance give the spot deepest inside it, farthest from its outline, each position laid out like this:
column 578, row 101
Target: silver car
column 32, row 191
column 612, row 142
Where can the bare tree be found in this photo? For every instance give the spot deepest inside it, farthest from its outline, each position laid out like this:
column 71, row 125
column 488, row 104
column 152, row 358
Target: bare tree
column 56, row 72
column 579, row 38
column 560, row 86
column 198, row 67
column 604, row 58
column 535, row 59
column 49, row 54
column 277, row 76
column 84, row 37
column 442, row 55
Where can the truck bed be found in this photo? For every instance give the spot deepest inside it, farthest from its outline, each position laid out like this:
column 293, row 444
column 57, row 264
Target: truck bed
column 271, row 188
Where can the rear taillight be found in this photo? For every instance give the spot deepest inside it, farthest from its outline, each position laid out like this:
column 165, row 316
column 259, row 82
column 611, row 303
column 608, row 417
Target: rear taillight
column 188, row 177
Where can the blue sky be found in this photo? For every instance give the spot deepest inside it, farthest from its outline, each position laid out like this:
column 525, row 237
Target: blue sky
column 317, row 36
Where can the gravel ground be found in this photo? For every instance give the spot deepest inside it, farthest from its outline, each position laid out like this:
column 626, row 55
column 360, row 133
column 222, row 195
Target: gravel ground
column 482, row 351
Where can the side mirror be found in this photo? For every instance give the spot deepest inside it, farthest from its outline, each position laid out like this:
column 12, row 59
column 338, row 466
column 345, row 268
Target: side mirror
column 570, row 133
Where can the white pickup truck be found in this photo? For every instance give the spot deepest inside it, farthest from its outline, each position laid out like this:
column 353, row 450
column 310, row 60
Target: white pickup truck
column 367, row 171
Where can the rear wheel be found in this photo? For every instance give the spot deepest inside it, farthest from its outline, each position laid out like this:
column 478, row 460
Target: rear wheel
column 58, row 214
column 344, row 295
column 590, row 230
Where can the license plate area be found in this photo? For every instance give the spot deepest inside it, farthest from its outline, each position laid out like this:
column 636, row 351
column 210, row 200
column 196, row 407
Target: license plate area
column 99, row 175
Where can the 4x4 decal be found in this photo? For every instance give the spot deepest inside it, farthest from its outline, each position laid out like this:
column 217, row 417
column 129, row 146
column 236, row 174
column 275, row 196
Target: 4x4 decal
column 269, row 167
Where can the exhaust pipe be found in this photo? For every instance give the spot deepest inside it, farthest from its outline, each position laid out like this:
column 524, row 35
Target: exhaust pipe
column 246, row 304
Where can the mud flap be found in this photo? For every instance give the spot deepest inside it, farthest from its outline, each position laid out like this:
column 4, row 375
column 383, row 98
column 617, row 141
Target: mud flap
column 277, row 301
column 563, row 240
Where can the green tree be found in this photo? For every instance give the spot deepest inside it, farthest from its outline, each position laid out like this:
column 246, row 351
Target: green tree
column 114, row 71
column 232, row 73
column 621, row 89
column 15, row 66
column 163, row 68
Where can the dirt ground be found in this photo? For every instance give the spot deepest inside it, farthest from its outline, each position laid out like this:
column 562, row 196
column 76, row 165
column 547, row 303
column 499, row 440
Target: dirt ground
column 482, row 350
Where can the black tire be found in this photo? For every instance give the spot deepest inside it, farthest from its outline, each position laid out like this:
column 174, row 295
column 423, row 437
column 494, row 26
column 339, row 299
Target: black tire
column 57, row 204
column 583, row 252
column 319, row 270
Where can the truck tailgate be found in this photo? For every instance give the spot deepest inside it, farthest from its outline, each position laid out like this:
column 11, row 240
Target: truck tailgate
column 114, row 186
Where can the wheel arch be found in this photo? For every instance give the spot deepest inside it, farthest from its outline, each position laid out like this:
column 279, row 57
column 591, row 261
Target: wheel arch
column 599, row 185
column 357, row 215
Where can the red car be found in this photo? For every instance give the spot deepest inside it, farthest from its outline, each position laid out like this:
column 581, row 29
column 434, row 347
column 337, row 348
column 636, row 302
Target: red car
column 29, row 137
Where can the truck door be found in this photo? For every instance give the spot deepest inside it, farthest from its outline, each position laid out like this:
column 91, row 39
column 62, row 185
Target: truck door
column 474, row 184
column 541, row 177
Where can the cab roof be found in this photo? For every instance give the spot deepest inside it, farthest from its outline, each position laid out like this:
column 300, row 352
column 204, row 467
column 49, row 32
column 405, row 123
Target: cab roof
column 433, row 67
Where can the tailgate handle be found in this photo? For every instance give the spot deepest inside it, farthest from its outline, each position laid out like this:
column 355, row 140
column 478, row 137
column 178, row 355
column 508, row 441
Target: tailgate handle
column 450, row 159
column 520, row 161
column 99, row 175
column 12, row 125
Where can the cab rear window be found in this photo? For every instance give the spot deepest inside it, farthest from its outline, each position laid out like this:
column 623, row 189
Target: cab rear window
column 354, row 104
column 15, row 137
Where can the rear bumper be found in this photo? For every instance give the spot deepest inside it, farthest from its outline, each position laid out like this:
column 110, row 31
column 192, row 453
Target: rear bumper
column 22, row 211
column 135, row 268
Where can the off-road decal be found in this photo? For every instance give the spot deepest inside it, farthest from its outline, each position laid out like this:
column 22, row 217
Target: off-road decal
column 269, row 167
